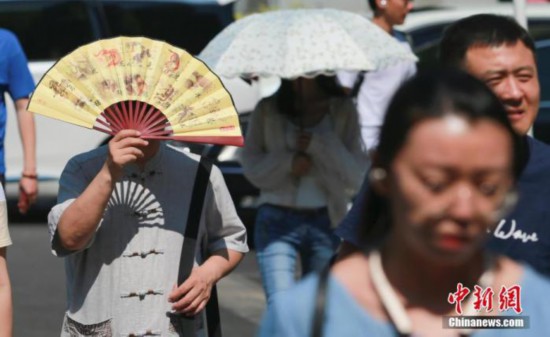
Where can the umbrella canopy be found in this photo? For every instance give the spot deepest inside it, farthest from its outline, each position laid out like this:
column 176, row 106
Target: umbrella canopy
column 303, row 42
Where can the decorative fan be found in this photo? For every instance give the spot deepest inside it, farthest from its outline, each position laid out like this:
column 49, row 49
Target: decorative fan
column 142, row 84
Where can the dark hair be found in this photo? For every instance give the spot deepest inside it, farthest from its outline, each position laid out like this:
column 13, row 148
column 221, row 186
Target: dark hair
column 286, row 97
column 480, row 30
column 372, row 4
column 428, row 95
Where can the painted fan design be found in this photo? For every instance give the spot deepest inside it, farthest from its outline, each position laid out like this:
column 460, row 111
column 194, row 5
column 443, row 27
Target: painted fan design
column 142, row 84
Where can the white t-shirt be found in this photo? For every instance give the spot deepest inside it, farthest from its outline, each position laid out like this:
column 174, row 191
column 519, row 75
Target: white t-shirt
column 5, row 239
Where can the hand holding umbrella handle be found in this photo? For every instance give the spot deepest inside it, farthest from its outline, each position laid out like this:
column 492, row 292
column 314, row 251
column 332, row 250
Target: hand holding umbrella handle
column 301, row 164
column 303, row 139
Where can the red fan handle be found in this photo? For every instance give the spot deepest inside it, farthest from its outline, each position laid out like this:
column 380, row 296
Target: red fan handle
column 136, row 115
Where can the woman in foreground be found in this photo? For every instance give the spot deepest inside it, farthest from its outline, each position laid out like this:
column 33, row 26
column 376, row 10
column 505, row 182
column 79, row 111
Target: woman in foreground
column 444, row 172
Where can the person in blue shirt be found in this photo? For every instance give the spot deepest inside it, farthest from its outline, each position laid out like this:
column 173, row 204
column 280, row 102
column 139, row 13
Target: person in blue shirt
column 443, row 174
column 16, row 80
column 501, row 53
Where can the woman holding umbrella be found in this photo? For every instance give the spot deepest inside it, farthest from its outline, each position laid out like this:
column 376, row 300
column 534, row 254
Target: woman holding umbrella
column 303, row 147
column 443, row 174
column 304, row 152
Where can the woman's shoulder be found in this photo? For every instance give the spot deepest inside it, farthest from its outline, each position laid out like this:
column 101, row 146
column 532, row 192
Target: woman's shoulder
column 522, row 274
column 533, row 302
column 307, row 291
column 524, row 283
column 535, row 283
column 292, row 312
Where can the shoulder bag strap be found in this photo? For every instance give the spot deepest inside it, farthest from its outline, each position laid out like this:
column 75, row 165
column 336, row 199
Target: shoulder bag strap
column 187, row 257
column 320, row 303
column 357, row 84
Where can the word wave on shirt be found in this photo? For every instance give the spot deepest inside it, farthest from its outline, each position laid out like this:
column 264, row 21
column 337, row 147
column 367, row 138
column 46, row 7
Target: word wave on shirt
column 501, row 232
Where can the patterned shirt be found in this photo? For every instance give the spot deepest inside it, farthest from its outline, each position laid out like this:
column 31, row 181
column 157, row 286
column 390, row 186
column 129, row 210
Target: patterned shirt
column 119, row 284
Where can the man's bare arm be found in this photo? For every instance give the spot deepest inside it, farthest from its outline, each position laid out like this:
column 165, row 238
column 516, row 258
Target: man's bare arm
column 79, row 221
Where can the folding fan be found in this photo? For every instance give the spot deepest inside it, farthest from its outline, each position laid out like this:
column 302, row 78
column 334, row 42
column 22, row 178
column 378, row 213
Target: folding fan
column 142, row 84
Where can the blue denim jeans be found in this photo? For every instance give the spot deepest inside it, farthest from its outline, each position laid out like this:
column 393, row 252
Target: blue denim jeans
column 283, row 235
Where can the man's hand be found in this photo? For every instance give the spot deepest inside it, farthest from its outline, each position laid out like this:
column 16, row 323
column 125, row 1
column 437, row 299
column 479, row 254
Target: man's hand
column 193, row 294
column 124, row 148
column 28, row 190
column 301, row 164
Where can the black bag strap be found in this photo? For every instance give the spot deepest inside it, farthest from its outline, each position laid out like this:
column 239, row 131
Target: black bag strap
column 357, row 84
column 187, row 257
column 320, row 303
column 193, row 219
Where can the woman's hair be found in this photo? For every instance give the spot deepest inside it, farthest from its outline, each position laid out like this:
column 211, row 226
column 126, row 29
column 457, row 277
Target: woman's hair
column 286, row 96
column 429, row 95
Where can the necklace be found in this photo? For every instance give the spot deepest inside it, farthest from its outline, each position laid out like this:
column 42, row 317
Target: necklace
column 395, row 308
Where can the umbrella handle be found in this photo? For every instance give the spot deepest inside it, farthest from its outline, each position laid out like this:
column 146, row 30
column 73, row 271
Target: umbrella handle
column 300, row 105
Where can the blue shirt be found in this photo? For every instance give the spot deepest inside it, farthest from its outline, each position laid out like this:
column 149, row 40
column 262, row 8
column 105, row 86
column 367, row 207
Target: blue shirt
column 291, row 312
column 525, row 234
column 15, row 79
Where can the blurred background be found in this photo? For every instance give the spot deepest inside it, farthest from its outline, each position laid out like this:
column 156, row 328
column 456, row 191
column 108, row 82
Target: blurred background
column 49, row 29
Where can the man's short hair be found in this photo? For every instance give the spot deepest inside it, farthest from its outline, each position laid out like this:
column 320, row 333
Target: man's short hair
column 485, row 30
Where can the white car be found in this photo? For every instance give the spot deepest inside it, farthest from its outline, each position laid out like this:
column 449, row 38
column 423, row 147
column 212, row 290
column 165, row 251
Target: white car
column 425, row 27
column 49, row 29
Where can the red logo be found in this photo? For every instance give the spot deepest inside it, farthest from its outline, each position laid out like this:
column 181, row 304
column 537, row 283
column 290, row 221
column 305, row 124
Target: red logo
column 457, row 297
column 483, row 298
column 508, row 298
